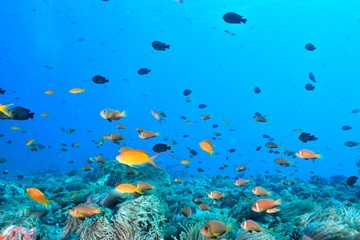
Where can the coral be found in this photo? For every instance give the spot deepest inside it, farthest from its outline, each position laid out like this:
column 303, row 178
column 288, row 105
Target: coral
column 290, row 210
column 15, row 232
column 71, row 226
column 245, row 235
column 329, row 230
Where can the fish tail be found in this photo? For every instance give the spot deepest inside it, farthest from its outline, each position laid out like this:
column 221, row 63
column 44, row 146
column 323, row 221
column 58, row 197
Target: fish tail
column 243, row 20
column 123, row 113
column 318, row 156
column 3, row 109
column 31, row 115
column 98, row 210
column 278, row 202
column 151, row 160
column 46, row 203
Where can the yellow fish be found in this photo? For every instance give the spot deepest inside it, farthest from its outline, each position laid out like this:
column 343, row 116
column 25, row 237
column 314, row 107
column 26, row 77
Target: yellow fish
column 207, row 146
column 4, row 109
column 128, row 188
column 76, row 90
column 16, row 128
column 49, row 92
column 133, row 157
column 185, row 162
column 38, row 196
column 30, row 141
column 44, row 114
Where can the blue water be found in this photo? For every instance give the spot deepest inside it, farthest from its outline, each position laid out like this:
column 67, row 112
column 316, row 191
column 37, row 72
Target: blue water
column 60, row 45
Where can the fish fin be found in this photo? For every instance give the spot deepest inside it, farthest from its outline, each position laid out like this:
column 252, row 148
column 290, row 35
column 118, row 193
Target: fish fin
column 31, row 115
column 243, row 20
column 151, row 160
column 123, row 114
column 278, row 202
column 3, row 109
column 98, row 210
column 46, row 203
column 273, row 210
column 138, row 190
column 167, row 46
column 319, row 156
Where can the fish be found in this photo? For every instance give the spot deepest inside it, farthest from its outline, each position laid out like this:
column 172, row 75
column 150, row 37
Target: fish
column 156, row 115
column 312, row 77
column 36, row 195
column 143, row 71
column 257, row 90
column 128, row 188
column 16, row 128
column 120, row 126
column 233, row 18
column 351, row 143
column 203, row 206
column 161, row 147
column 309, row 87
column 84, row 210
column 214, row 229
column 186, row 211
column 178, row 180
column 305, row 137
column 307, row 154
column 260, row 118
column 260, row 191
column 202, row 106
column 110, row 114
column 98, row 79
column 134, row 157
column 49, row 92
column 283, row 162
column 4, row 109
column 272, row 145
column 215, row 195
column 187, row 92
column 266, row 204
column 160, row 46
column 310, row 47
column 100, row 159
column 351, row 181
column 251, row 226
column 113, row 137
column 30, row 141
column 20, row 113
column 240, row 168
column 86, row 168
column 2, row 91
column 346, row 127
column 205, row 117
column 207, row 146
column 76, row 90
column 144, row 186
column 44, row 114
column 148, row 134
column 184, row 161
column 240, row 182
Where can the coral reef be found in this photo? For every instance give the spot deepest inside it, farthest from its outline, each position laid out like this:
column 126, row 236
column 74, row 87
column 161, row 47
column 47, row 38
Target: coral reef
column 329, row 230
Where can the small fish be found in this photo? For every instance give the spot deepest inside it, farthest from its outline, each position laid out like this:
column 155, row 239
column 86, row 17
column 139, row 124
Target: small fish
column 100, row 159
column 215, row 195
column 20, row 113
column 266, row 204
column 312, row 77
column 233, row 18
column 202, row 106
column 148, row 134
column 260, row 191
column 257, row 90
column 214, row 229
column 187, row 92
column 84, row 210
column 113, row 137
column 205, row 117
column 160, row 46
column 309, row 87
column 307, row 154
column 16, row 128
column 346, row 128
column 49, row 92
column 203, row 206
column 110, row 114
column 161, row 147
column 143, row 71
column 156, row 115
column 207, row 146
column 260, row 118
column 186, row 211
column 30, row 141
column 98, row 79
column 86, row 168
column 310, row 47
column 251, row 226
column 351, row 143
column 283, row 162
column 184, row 161
column 120, row 126
column 178, row 180
column 305, row 137
column 44, row 114
column 240, row 182
column 240, row 168
column 36, row 195
column 272, row 145
column 144, row 186
column 133, row 157
column 128, row 188
column 76, row 90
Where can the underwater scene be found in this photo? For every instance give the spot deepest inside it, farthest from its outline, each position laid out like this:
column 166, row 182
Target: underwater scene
column 180, row 120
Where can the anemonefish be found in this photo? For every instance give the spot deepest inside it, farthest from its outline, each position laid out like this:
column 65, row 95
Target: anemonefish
column 307, row 154
column 36, row 195
column 84, row 210
column 266, row 204
column 250, row 225
column 213, row 229
column 260, row 191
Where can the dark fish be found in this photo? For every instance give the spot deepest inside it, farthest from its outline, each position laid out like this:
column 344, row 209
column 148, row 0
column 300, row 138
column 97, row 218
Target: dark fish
column 201, row 106
column 2, row 91
column 157, row 45
column 232, row 150
column 276, row 152
column 265, row 136
column 310, row 47
column 309, row 87
column 2, row 135
column 232, row 17
column 346, row 127
column 193, row 152
column 351, row 181
column 351, row 143
column 161, row 147
column 257, row 90
column 187, row 92
column 200, row 170
column 5, row 172
column 185, row 136
column 215, row 126
column 3, row 160
column 258, row 148
column 305, row 137
column 143, row 71
column 355, row 110
column 312, row 77
column 20, row 113
column 99, row 79
column 20, row 176
column 183, row 117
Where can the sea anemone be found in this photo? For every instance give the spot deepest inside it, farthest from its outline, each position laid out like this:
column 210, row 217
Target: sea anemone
column 329, row 230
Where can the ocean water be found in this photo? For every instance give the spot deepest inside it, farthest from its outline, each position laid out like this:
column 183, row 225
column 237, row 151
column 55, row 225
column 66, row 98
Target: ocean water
column 61, row 45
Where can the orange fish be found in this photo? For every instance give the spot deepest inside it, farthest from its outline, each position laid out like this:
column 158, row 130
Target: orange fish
column 215, row 195
column 272, row 145
column 148, row 134
column 133, row 157
column 49, row 92
column 110, row 114
column 307, row 154
column 186, row 211
column 240, row 182
column 178, row 180
column 260, row 191
column 203, row 206
column 184, row 161
column 207, row 146
column 30, row 141
column 240, row 168
column 128, row 188
column 251, row 226
column 36, row 195
column 84, row 210
column 266, row 204
column 144, row 186
column 76, row 90
column 213, row 229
